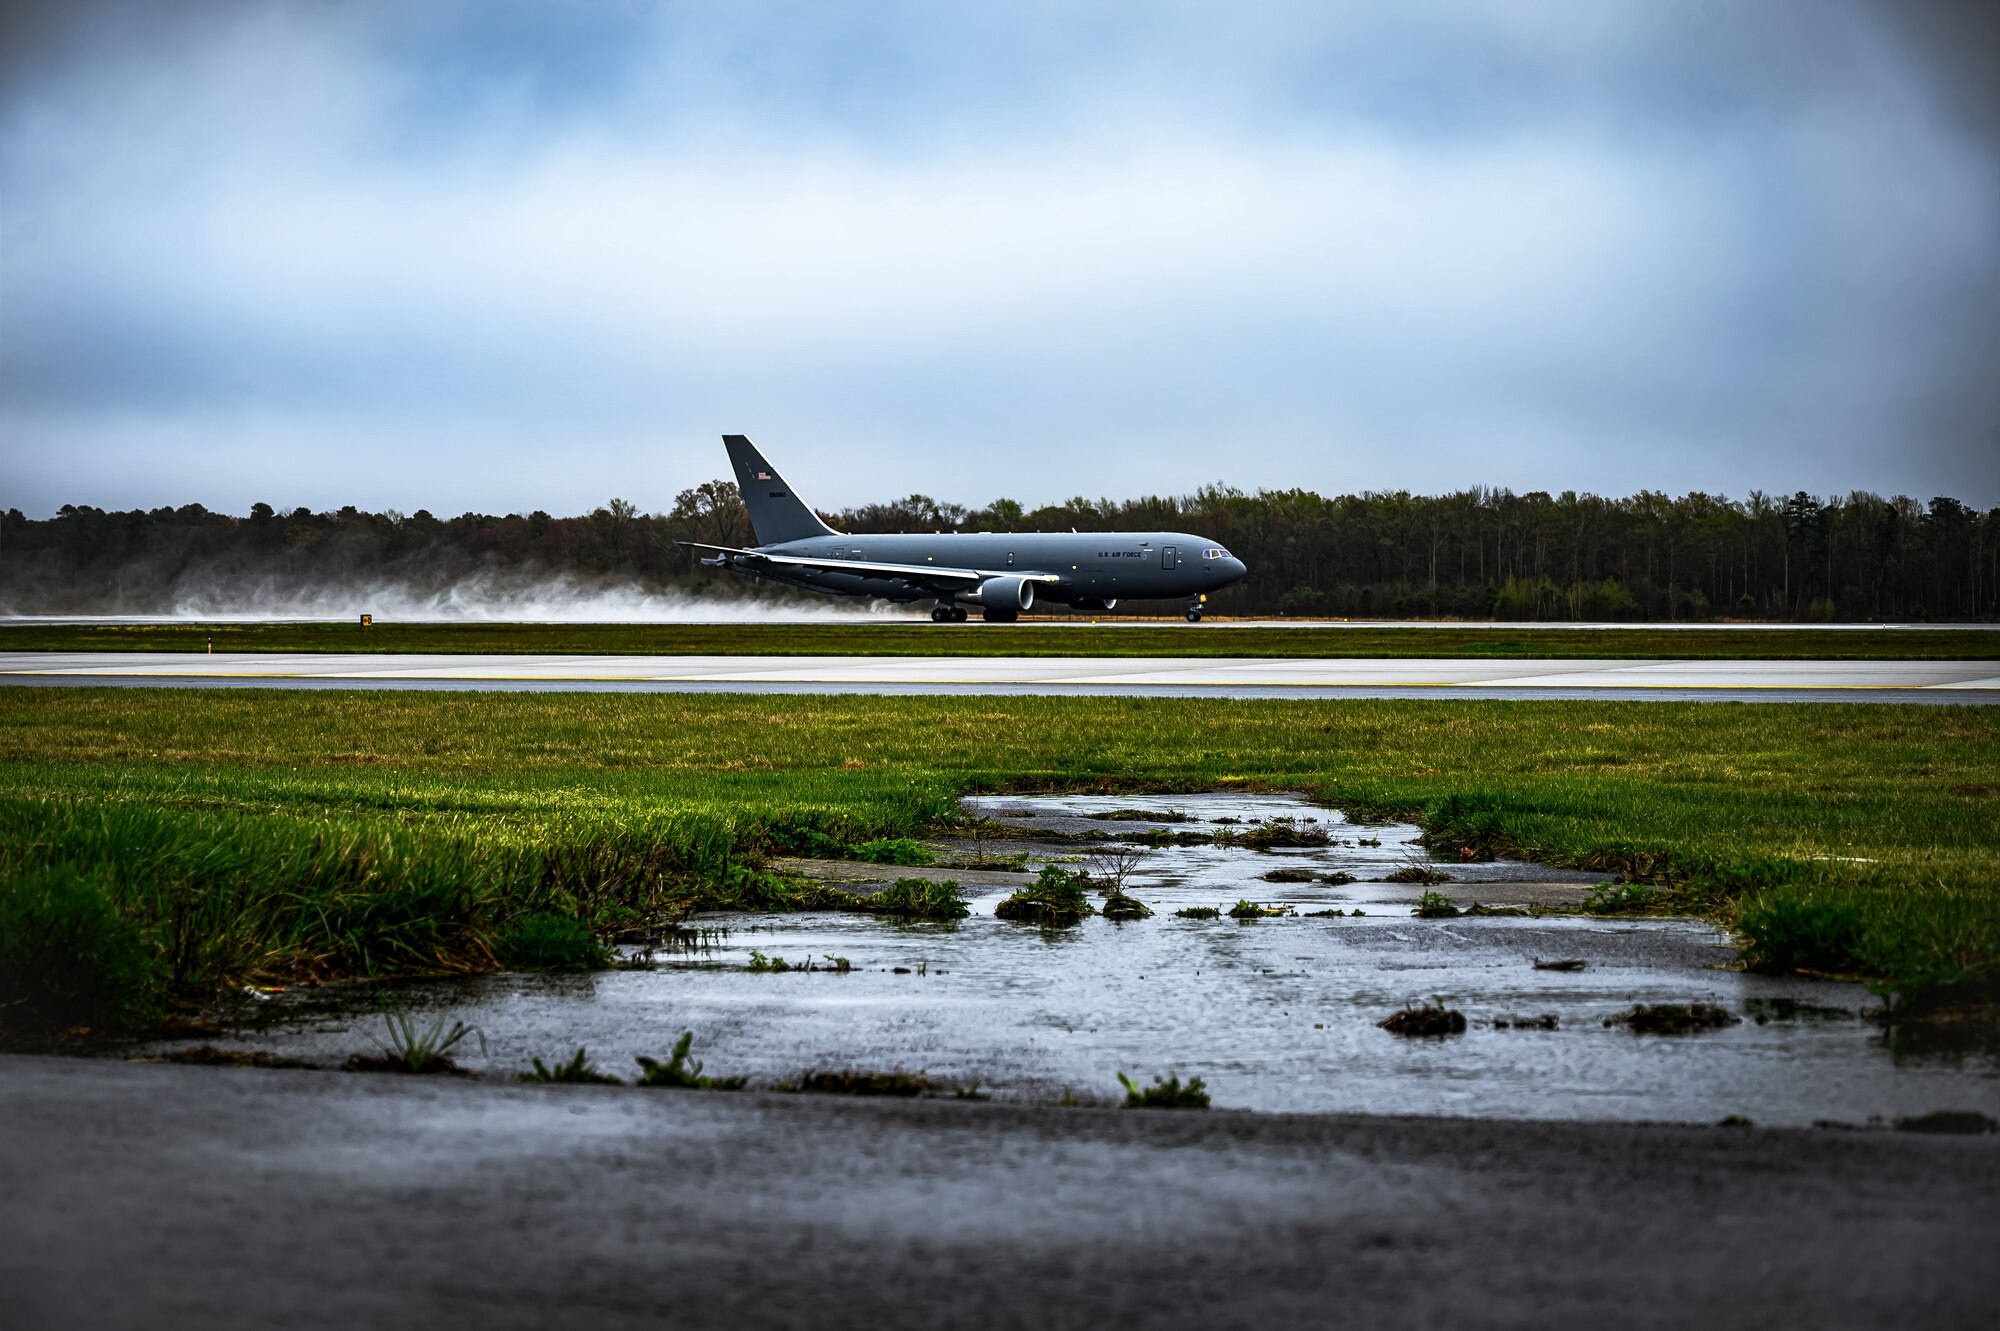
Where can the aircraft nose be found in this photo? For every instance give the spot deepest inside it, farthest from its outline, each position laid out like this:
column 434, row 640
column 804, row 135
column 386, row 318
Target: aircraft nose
column 1233, row 568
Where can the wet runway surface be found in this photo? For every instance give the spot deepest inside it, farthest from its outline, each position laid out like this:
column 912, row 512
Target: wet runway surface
column 1710, row 680
column 156, row 1196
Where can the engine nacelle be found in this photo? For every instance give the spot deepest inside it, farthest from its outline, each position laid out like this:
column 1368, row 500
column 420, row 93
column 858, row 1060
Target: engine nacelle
column 1005, row 594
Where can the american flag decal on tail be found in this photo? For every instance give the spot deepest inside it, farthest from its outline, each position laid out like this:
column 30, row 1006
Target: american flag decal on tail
column 763, row 475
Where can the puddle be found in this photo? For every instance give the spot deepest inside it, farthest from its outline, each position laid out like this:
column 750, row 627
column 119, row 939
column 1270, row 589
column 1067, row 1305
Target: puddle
column 1274, row 1014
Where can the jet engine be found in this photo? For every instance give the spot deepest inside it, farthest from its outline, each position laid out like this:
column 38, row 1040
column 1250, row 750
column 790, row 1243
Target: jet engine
column 1006, row 594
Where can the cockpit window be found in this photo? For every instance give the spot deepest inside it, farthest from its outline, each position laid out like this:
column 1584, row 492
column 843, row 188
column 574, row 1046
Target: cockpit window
column 1215, row 552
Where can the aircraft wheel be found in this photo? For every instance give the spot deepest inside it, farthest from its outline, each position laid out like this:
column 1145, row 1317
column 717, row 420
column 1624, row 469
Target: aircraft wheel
column 958, row 614
column 1000, row 616
column 939, row 614
column 1194, row 616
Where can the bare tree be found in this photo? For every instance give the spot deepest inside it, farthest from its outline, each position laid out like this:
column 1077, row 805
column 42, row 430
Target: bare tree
column 1111, row 864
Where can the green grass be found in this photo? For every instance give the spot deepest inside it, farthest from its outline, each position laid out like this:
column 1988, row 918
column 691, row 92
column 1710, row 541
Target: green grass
column 1057, row 899
column 682, row 1073
column 578, row 1071
column 918, row 899
column 1076, row 638
column 249, row 833
column 1165, row 1093
column 410, row 1048
column 69, row 957
column 548, row 941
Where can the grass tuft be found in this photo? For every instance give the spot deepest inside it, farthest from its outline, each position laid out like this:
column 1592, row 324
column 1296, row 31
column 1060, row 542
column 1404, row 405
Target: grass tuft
column 410, row 1048
column 1429, row 1019
column 892, row 850
column 918, row 899
column 578, row 1072
column 678, row 1072
column 1165, row 1093
column 1058, row 899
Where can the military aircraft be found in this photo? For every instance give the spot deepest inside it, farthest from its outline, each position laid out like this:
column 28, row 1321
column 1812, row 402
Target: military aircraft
column 1003, row 573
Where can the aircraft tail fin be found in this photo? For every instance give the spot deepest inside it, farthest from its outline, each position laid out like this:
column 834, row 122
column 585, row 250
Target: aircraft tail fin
column 776, row 514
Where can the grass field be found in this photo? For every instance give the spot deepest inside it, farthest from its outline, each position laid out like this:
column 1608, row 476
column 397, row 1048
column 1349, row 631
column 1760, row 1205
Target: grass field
column 1025, row 639
column 236, row 834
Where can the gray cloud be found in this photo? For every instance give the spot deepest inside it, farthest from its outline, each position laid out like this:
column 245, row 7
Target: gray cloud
column 504, row 256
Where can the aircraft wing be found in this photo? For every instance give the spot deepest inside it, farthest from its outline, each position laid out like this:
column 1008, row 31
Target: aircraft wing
column 915, row 572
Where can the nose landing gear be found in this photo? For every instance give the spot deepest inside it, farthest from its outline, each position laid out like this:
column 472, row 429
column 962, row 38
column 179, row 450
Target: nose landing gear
column 1194, row 608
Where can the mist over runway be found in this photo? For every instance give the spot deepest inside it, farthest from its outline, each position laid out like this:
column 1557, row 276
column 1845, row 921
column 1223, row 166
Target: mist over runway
column 1976, row 682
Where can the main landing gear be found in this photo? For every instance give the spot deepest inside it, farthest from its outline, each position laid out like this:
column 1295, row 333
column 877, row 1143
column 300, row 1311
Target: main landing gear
column 948, row 614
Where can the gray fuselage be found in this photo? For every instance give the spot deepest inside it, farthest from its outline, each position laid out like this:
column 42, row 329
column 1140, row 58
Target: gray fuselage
column 1092, row 567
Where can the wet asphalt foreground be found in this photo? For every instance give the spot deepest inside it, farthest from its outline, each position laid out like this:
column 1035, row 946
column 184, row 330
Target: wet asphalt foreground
column 162, row 1196
column 136, row 1194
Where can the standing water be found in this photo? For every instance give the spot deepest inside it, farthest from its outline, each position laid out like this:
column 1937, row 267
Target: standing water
column 1273, row 1013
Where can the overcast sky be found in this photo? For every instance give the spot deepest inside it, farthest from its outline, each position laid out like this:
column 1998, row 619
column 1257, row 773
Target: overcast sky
column 504, row 256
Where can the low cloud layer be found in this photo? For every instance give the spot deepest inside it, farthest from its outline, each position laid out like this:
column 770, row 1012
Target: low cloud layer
column 512, row 256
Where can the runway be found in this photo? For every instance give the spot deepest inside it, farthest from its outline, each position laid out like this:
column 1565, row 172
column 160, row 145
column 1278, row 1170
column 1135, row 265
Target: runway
column 1975, row 682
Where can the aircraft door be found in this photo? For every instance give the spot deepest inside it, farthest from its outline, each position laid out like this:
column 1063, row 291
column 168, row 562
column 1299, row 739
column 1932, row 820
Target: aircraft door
column 1169, row 556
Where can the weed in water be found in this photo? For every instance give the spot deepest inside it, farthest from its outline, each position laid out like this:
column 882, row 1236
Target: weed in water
column 1674, row 1018
column 1245, row 909
column 763, row 965
column 1287, row 876
column 1325, row 914
column 1199, row 913
column 1417, row 873
column 407, row 1047
column 578, row 1071
column 1164, row 1093
column 547, row 941
column 1430, row 1019
column 677, row 1071
column 68, row 959
column 1435, row 906
column 1338, row 878
column 1056, row 900
column 1142, row 816
column 1545, row 1022
column 1285, row 835
column 1566, row 964
column 918, row 899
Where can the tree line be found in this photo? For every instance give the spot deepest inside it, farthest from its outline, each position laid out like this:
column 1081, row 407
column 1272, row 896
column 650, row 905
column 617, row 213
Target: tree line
column 1479, row 553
